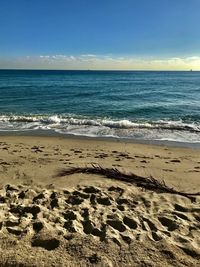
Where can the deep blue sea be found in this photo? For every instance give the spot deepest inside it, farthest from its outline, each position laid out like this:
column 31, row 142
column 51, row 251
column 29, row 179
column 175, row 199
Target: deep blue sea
column 139, row 105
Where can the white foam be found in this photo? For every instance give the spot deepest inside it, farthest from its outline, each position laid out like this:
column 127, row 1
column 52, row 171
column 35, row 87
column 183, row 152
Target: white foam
column 70, row 124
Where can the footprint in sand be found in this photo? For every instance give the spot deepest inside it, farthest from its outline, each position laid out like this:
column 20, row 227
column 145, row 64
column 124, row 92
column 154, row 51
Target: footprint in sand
column 132, row 224
column 38, row 226
column 144, row 161
column 104, row 201
column 170, row 224
column 175, row 160
column 102, row 214
column 45, row 242
column 116, row 224
column 167, row 170
column 74, row 200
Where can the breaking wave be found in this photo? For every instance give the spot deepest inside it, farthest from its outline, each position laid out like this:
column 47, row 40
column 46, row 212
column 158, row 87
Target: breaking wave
column 176, row 130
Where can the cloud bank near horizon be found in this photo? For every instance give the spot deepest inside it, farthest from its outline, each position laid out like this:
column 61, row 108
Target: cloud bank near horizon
column 100, row 62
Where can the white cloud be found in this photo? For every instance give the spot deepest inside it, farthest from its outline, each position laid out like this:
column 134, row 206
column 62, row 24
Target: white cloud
column 88, row 55
column 91, row 61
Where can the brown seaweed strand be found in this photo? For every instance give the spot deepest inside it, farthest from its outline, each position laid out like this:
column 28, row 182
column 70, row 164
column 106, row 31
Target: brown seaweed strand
column 148, row 183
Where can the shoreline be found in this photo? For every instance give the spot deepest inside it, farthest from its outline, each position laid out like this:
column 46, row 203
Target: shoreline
column 51, row 133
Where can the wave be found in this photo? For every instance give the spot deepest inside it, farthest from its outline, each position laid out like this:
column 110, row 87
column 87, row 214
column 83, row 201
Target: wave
column 177, row 130
column 178, row 125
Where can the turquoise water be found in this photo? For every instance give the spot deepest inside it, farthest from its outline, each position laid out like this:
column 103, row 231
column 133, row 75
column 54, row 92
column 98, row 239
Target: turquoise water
column 123, row 104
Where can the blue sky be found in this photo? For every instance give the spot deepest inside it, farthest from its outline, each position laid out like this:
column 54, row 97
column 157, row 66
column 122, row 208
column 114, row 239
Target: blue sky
column 129, row 34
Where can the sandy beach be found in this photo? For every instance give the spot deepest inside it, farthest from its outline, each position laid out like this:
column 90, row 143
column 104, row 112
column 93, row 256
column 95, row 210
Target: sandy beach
column 90, row 220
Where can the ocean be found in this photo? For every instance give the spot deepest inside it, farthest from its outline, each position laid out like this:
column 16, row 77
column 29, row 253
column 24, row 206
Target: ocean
column 134, row 105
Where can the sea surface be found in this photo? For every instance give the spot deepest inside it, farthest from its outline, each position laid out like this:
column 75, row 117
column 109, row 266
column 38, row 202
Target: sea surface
column 136, row 105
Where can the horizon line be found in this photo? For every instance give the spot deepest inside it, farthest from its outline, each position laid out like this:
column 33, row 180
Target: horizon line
column 178, row 70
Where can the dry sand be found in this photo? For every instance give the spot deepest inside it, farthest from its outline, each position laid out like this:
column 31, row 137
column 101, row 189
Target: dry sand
column 88, row 220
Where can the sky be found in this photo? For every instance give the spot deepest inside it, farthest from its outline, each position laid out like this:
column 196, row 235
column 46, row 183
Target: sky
column 100, row 34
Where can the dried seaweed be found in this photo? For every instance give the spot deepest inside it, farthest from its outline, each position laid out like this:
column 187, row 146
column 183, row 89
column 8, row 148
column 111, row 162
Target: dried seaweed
column 147, row 183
